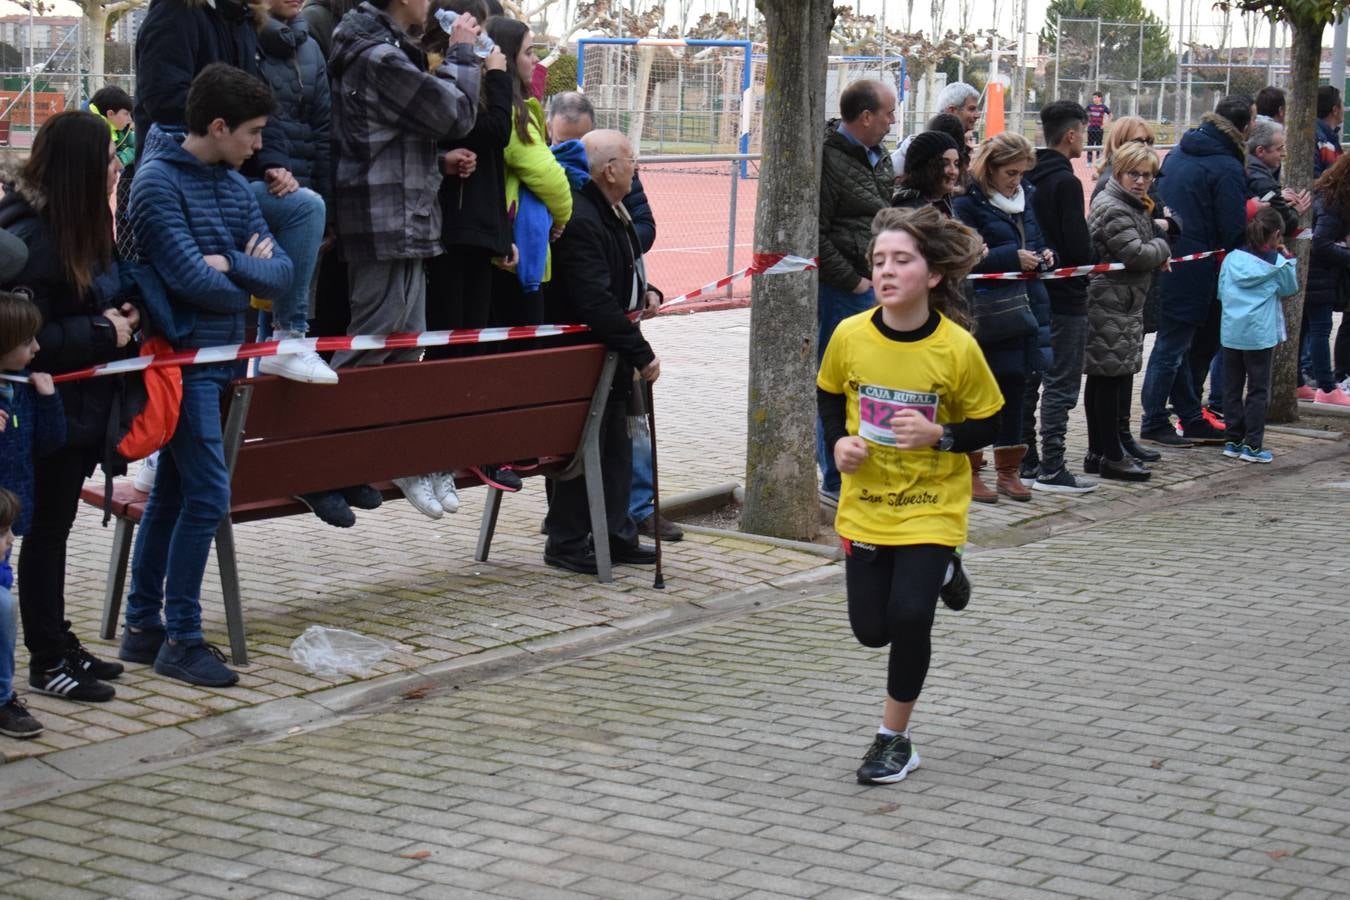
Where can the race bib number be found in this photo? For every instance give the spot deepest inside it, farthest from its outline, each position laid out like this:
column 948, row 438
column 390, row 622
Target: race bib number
column 877, row 406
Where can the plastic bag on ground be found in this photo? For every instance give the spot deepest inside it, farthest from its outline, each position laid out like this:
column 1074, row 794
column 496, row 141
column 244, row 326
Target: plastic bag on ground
column 333, row 651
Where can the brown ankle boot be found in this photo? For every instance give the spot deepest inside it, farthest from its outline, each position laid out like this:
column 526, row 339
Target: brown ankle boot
column 979, row 491
column 1007, row 462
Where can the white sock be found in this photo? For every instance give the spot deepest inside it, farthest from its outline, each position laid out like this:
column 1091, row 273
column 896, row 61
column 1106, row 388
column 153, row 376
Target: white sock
column 887, row 732
column 951, row 573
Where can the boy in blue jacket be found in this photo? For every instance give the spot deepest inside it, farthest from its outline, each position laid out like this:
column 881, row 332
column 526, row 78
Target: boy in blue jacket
column 213, row 250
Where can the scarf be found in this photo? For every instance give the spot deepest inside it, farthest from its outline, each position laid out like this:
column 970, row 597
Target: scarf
column 1013, row 206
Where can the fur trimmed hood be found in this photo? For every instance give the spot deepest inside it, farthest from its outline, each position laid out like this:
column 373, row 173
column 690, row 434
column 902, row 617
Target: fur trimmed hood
column 11, row 176
column 1228, row 130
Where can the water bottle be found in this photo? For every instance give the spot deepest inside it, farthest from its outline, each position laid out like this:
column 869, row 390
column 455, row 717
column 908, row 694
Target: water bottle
column 482, row 45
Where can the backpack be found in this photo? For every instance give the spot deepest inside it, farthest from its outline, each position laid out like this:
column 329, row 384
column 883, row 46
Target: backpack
column 143, row 417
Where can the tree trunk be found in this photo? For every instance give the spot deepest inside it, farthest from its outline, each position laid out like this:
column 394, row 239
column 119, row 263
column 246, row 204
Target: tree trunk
column 1301, row 137
column 780, row 461
column 96, row 33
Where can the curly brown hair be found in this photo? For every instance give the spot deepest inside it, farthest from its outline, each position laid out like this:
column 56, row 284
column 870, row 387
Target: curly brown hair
column 949, row 247
column 1333, row 186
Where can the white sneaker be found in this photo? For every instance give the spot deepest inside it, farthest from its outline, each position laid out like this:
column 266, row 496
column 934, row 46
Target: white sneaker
column 1345, row 385
column 145, row 475
column 443, row 486
column 306, row 366
column 417, row 489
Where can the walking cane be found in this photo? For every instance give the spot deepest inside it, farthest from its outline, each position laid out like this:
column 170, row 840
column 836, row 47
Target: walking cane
column 660, row 582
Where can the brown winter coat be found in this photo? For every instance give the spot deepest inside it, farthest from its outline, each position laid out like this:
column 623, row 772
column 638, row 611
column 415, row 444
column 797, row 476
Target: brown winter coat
column 1122, row 231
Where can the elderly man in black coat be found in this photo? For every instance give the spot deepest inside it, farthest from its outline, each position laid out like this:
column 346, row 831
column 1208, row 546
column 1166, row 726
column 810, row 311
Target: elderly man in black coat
column 598, row 280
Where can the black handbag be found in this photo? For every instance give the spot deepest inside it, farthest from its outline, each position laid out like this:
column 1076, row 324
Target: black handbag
column 1001, row 314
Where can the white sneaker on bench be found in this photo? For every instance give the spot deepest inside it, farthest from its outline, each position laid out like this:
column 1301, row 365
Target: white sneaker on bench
column 306, row 366
column 443, row 486
column 418, row 490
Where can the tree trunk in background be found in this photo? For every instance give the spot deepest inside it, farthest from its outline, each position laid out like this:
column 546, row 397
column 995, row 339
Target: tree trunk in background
column 1301, row 137
column 780, row 462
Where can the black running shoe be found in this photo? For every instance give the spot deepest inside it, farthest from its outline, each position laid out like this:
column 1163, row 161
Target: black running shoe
column 71, row 683
column 91, row 665
column 1166, row 437
column 1202, row 432
column 362, row 496
column 15, row 720
column 888, row 760
column 956, row 593
column 331, row 507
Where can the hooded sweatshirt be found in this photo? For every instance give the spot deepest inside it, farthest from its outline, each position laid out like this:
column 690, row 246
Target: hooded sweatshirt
column 1250, row 288
column 1204, row 181
column 1058, row 203
column 186, row 210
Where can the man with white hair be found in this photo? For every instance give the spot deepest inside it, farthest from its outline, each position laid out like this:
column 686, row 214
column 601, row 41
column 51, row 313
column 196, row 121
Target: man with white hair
column 1265, row 156
column 598, row 281
column 960, row 100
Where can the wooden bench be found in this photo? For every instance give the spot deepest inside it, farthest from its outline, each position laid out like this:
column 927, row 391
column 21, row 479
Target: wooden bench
column 384, row 422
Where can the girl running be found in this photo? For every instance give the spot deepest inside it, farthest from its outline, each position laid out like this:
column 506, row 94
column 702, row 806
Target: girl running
column 904, row 394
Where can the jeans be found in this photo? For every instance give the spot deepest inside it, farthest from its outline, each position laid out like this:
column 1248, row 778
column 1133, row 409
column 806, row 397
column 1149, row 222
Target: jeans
column 297, row 222
column 1216, row 383
column 1169, row 376
column 1068, row 339
column 640, row 502
column 832, row 307
column 1245, row 417
column 190, row 498
column 1319, row 340
column 9, row 633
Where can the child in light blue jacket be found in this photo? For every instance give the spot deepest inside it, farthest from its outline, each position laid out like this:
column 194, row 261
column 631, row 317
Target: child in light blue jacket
column 1251, row 283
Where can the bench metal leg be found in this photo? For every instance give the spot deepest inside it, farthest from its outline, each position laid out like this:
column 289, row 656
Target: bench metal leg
column 595, row 498
column 229, row 587
column 117, row 576
column 489, row 526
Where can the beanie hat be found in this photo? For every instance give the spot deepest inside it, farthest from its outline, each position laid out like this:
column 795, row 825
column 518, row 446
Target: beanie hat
column 927, row 146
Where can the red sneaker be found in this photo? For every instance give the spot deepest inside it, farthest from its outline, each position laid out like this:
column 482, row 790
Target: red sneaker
column 1214, row 419
column 1306, row 392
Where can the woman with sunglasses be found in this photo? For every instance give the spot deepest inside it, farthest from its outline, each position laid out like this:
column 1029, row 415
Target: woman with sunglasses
column 1126, row 131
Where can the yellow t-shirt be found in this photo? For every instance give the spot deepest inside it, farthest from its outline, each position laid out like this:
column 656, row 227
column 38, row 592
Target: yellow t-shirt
column 901, row 497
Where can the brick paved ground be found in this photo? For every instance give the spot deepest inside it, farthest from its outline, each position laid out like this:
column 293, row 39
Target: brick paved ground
column 1154, row 706
column 413, row 582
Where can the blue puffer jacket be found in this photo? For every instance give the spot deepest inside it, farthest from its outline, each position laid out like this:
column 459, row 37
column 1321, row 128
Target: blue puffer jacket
column 1205, row 183
column 186, row 209
column 36, row 427
column 1250, row 288
column 1000, row 231
column 292, row 63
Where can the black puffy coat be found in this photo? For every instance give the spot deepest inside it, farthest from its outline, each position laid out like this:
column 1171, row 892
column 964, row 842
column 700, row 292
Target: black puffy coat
column 472, row 214
column 1262, row 182
column 176, row 40
column 75, row 334
column 852, row 192
column 1330, row 262
column 293, row 64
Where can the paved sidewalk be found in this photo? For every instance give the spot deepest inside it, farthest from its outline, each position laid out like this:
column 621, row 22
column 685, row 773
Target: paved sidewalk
column 1155, row 706
column 413, row 582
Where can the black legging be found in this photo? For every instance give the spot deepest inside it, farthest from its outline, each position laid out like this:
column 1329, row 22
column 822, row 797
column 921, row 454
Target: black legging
column 1341, row 352
column 1105, row 399
column 57, row 481
column 892, row 596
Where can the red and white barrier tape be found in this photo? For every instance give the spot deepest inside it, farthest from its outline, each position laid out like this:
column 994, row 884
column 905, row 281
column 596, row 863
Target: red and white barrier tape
column 1078, row 271
column 763, row 264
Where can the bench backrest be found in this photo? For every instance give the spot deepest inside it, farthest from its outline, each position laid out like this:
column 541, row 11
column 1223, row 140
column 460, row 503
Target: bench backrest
column 391, row 421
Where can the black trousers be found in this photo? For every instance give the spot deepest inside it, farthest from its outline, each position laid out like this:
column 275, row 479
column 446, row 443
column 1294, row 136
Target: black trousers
column 511, row 305
column 459, row 294
column 1106, row 401
column 57, row 480
column 1341, row 351
column 1203, row 348
column 892, row 598
column 568, row 523
column 1244, row 418
column 332, row 296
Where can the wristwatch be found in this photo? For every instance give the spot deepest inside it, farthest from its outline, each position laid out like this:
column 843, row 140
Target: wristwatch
column 948, row 440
